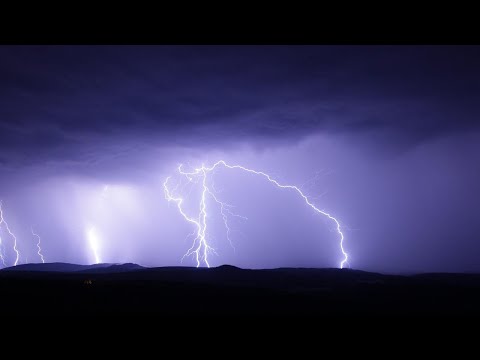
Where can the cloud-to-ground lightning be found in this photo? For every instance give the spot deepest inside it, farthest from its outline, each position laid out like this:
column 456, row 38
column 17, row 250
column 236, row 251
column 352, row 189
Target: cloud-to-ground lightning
column 2, row 252
column 2, row 221
column 39, row 240
column 200, row 247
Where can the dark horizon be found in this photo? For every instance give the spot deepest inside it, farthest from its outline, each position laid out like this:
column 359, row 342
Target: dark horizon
column 384, row 138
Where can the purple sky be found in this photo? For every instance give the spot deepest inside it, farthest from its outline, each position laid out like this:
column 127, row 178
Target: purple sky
column 385, row 138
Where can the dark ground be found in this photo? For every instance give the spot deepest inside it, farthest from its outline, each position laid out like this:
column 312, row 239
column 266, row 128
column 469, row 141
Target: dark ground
column 67, row 289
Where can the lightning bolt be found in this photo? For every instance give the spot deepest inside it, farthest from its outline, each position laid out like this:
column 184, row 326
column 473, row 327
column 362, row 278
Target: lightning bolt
column 39, row 252
column 2, row 221
column 200, row 247
column 2, row 252
column 200, row 241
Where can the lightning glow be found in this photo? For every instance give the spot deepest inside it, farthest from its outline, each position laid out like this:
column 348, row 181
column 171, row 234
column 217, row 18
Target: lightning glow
column 200, row 247
column 2, row 221
column 39, row 252
column 91, row 231
column 93, row 241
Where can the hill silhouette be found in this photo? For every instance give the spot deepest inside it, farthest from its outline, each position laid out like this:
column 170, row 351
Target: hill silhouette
column 130, row 289
column 55, row 267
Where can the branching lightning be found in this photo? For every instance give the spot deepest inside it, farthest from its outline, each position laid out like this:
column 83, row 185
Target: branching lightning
column 200, row 247
column 224, row 209
column 39, row 252
column 2, row 221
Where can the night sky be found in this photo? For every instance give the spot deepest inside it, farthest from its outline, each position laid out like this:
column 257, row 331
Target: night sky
column 385, row 138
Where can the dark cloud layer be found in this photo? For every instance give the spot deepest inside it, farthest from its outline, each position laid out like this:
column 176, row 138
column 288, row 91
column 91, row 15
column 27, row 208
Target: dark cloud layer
column 58, row 100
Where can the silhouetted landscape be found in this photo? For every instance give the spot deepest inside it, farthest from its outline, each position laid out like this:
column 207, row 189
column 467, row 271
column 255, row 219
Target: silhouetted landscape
column 130, row 289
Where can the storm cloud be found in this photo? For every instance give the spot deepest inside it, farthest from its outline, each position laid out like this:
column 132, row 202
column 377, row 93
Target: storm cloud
column 385, row 137
column 69, row 97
